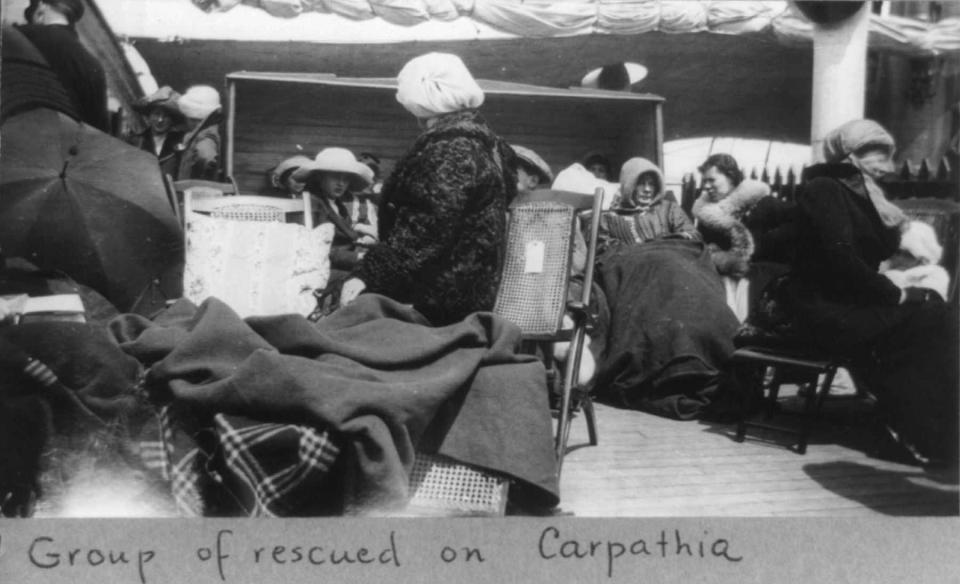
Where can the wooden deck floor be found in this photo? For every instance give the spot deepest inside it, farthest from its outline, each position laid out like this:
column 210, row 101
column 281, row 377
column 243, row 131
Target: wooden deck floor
column 646, row 466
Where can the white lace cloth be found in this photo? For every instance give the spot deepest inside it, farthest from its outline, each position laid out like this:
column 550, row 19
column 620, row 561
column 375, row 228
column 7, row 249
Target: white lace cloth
column 257, row 268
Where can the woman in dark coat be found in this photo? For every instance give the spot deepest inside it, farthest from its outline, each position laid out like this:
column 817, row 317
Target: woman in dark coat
column 902, row 343
column 443, row 216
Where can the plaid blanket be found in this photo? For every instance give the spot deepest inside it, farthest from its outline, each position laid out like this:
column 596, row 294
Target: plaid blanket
column 234, row 466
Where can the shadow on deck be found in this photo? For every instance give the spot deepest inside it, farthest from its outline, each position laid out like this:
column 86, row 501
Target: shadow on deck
column 648, row 466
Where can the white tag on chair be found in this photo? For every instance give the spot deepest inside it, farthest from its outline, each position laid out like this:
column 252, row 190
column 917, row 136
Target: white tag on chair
column 534, row 257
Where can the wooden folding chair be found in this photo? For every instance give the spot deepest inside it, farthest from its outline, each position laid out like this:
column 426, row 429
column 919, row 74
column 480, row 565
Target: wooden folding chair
column 534, row 286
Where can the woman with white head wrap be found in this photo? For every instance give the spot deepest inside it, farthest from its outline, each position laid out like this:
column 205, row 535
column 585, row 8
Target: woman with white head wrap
column 435, row 84
column 902, row 344
column 443, row 212
column 200, row 148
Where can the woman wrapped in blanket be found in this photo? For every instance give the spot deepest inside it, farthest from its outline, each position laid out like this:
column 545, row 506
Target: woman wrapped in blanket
column 665, row 331
column 902, row 342
column 444, row 207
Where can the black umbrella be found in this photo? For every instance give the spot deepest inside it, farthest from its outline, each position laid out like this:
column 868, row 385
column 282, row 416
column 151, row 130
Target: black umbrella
column 75, row 199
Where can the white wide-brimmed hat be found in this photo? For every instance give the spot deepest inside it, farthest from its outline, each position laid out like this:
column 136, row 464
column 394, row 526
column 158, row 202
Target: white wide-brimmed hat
column 199, row 101
column 635, row 74
column 336, row 160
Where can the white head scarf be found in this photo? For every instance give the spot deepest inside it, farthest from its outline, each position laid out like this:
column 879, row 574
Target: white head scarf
column 435, row 84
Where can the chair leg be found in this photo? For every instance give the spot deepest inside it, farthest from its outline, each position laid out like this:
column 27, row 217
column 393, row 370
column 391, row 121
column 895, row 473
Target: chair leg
column 814, row 403
column 569, row 376
column 587, row 404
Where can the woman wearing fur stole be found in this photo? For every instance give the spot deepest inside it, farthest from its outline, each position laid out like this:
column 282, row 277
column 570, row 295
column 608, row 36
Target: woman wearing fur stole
column 739, row 220
column 747, row 231
column 902, row 343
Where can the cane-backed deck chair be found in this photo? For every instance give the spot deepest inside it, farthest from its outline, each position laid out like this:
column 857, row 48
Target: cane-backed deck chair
column 534, row 287
column 532, row 295
column 177, row 189
column 271, row 267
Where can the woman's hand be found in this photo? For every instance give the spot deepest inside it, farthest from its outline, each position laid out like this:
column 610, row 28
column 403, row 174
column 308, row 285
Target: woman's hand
column 350, row 290
column 368, row 233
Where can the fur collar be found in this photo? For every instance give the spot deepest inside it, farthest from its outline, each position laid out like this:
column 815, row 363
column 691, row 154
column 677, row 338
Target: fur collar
column 725, row 216
column 731, row 208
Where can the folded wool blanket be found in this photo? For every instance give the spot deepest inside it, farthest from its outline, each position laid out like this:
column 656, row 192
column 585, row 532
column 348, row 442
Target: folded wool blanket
column 374, row 373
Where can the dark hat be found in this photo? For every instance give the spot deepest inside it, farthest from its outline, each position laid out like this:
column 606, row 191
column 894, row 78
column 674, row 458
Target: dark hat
column 72, row 9
column 371, row 160
column 164, row 98
column 615, row 76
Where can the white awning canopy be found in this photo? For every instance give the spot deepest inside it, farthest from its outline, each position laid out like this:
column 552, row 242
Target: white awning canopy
column 386, row 21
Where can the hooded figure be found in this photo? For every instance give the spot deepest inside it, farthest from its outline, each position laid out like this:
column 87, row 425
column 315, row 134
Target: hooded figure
column 902, row 344
column 444, row 207
column 643, row 212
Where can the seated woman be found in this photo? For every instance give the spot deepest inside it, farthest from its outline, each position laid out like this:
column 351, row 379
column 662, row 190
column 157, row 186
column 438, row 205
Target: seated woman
column 643, row 211
column 329, row 178
column 747, row 231
column 668, row 330
column 902, row 343
column 165, row 126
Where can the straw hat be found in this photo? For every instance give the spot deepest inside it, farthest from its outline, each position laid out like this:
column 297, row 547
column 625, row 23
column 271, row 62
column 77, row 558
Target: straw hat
column 277, row 174
column 630, row 73
column 336, row 160
column 534, row 161
column 199, row 101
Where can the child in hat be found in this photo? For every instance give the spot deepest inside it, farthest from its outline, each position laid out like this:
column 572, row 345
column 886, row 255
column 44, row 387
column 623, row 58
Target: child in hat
column 331, row 178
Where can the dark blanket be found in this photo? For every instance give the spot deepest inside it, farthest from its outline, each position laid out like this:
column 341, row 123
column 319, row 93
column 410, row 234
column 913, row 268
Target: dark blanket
column 670, row 329
column 374, row 373
column 67, row 392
